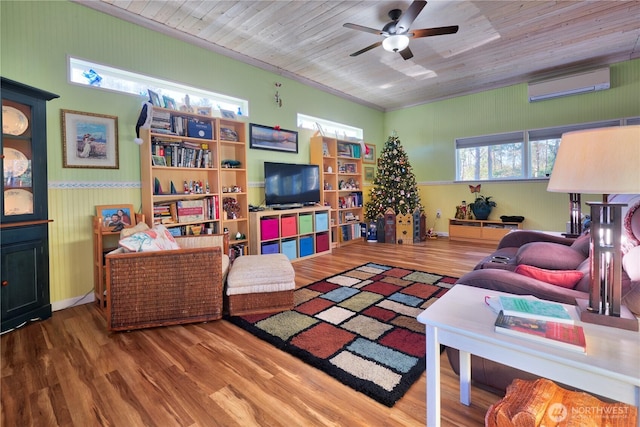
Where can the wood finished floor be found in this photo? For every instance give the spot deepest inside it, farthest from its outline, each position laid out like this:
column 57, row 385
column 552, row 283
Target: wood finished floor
column 69, row 371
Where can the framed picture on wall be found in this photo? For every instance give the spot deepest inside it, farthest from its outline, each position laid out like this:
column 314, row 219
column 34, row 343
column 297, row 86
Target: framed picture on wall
column 371, row 156
column 369, row 173
column 89, row 140
column 269, row 138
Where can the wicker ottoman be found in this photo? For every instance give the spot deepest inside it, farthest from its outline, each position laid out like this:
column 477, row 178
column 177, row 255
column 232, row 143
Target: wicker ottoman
column 260, row 284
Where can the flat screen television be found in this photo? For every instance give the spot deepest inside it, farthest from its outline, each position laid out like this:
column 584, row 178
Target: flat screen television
column 291, row 185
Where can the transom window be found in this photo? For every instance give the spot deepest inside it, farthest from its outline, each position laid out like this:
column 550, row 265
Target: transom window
column 329, row 128
column 100, row 76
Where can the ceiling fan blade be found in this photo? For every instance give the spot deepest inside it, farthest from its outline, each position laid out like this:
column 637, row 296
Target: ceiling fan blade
column 438, row 31
column 406, row 53
column 363, row 28
column 410, row 15
column 366, row 49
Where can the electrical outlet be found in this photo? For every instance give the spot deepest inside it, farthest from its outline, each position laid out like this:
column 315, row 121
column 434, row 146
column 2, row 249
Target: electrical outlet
column 438, row 213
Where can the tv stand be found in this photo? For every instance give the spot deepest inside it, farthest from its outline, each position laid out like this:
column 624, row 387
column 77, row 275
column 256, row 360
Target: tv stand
column 285, row 206
column 300, row 233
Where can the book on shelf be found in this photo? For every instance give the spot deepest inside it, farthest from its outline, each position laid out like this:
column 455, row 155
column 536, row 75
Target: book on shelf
column 561, row 335
column 530, row 307
column 184, row 154
column 190, row 210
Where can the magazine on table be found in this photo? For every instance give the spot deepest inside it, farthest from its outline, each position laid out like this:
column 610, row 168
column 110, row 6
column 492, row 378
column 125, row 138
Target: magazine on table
column 530, row 307
column 562, row 335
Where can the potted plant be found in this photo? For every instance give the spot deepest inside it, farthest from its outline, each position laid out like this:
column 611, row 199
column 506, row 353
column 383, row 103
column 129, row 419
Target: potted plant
column 482, row 205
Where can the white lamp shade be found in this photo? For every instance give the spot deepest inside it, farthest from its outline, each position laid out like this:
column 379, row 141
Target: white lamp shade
column 598, row 161
column 395, row 43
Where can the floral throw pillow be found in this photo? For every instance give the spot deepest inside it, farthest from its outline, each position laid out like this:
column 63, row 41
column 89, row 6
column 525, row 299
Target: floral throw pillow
column 156, row 239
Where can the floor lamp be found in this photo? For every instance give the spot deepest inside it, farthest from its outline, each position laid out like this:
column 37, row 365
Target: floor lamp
column 575, row 214
column 602, row 161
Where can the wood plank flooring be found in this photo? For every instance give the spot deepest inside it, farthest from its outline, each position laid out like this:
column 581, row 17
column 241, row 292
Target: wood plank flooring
column 69, row 371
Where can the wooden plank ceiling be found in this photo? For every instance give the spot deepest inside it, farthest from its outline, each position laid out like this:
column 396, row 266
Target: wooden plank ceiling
column 499, row 42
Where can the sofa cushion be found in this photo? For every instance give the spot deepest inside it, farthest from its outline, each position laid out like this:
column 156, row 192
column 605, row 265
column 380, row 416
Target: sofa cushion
column 156, row 239
column 582, row 243
column 585, row 268
column 549, row 255
column 564, row 278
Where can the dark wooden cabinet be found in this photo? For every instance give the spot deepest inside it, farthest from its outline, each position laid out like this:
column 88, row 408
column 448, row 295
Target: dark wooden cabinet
column 24, row 234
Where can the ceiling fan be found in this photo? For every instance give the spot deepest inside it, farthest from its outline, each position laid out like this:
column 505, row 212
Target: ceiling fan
column 396, row 33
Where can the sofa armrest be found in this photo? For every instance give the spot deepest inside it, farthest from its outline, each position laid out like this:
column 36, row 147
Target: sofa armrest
column 517, row 238
column 514, row 283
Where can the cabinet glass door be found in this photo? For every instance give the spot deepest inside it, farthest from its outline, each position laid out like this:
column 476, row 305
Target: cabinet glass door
column 17, row 149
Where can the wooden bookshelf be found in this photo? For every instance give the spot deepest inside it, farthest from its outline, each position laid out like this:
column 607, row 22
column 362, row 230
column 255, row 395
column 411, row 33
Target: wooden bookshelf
column 341, row 177
column 196, row 164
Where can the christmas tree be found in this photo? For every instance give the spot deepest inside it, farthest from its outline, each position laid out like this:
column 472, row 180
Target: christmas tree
column 394, row 185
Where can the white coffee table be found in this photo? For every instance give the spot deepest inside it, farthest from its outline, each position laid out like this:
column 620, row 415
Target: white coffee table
column 460, row 319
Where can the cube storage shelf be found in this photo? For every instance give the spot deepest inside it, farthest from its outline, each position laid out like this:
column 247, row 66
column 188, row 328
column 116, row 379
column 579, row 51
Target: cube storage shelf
column 297, row 233
column 193, row 171
column 341, row 176
column 480, row 231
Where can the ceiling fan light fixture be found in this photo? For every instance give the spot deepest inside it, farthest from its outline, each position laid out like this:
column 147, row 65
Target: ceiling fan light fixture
column 395, row 43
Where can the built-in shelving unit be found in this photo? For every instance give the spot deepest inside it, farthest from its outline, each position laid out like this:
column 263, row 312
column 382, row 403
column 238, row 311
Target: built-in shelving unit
column 194, row 177
column 341, row 176
column 298, row 233
column 480, row 231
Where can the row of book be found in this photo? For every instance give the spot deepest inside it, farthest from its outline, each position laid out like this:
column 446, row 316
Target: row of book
column 537, row 320
column 194, row 229
column 349, row 150
column 183, row 154
column 207, row 208
column 165, row 122
column 348, row 232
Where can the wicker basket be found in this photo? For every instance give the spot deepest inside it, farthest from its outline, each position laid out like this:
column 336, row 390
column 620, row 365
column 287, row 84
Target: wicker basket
column 148, row 289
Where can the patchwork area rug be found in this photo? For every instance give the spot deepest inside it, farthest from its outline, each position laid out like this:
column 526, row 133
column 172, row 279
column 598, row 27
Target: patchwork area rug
column 358, row 326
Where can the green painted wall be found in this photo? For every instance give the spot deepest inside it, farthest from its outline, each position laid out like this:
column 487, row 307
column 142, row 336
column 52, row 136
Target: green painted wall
column 37, row 36
column 428, row 133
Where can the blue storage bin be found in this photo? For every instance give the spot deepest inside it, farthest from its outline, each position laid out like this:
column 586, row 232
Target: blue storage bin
column 270, row 248
column 306, row 246
column 289, row 249
column 322, row 221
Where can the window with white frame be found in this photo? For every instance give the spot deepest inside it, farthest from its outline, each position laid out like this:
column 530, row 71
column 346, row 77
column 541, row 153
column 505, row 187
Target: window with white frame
column 329, row 128
column 87, row 73
column 516, row 155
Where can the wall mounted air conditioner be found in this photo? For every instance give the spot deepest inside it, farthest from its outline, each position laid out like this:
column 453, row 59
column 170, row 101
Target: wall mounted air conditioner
column 588, row 81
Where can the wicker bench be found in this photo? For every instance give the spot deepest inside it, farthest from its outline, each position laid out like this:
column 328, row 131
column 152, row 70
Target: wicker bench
column 260, row 284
